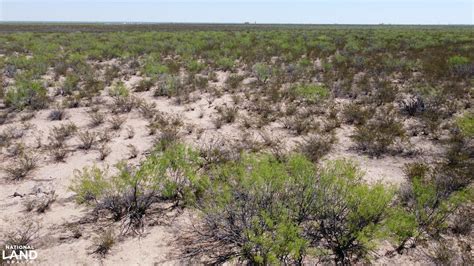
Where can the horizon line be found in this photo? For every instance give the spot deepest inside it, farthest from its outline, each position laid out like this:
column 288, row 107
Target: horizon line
column 221, row 23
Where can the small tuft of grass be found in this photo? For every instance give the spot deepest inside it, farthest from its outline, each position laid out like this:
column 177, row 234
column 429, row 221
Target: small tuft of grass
column 104, row 242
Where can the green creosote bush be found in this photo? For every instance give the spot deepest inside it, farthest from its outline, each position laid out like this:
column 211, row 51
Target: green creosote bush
column 346, row 215
column 169, row 86
column 264, row 211
column 425, row 206
column 119, row 90
column 195, row 66
column 145, row 85
column 27, row 94
column 234, row 81
column 461, row 66
column 111, row 73
column 128, row 195
column 225, row 63
column 89, row 184
column 262, row 71
column 311, row 93
column 152, row 69
column 466, row 124
column 70, row 85
column 401, row 227
column 244, row 215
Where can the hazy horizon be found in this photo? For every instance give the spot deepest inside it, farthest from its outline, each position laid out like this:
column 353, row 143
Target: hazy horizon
column 415, row 12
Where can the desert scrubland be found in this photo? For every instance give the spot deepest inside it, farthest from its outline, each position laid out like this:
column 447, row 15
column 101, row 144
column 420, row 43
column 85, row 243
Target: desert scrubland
column 238, row 144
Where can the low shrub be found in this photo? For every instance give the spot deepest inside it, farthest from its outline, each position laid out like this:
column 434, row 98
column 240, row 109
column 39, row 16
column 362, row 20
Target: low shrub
column 104, row 242
column 227, row 114
column 30, row 94
column 195, row 66
column 356, row 114
column 70, row 85
column 215, row 151
column 111, row 73
column 225, row 63
column 147, row 110
column 123, row 104
column 129, row 194
column 116, row 122
column 59, row 134
column 234, row 81
column 119, row 90
column 86, row 139
column 262, row 72
column 104, row 151
column 169, row 86
column 300, row 123
column 152, row 68
column 461, row 66
column 96, row 118
column 57, row 114
column 466, row 124
column 58, row 152
column 264, row 211
column 24, row 233
column 425, row 206
column 315, row 147
column 311, row 93
column 377, row 135
column 144, row 85
column 463, row 221
column 91, row 87
column 412, row 106
column 21, row 166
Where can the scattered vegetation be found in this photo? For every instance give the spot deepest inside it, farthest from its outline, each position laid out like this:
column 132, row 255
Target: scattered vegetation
column 261, row 200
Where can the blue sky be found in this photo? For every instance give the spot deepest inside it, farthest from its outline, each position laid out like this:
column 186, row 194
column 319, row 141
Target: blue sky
column 238, row 11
